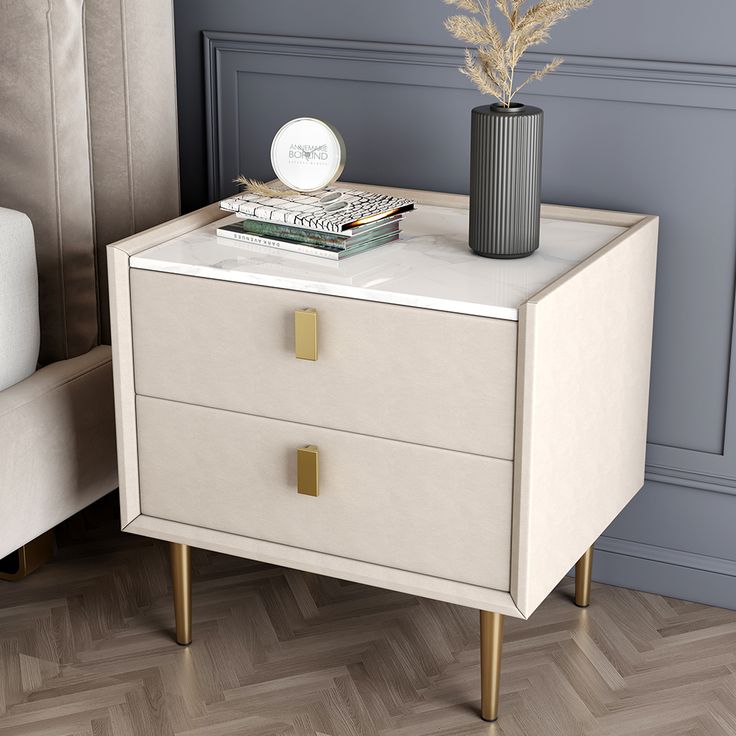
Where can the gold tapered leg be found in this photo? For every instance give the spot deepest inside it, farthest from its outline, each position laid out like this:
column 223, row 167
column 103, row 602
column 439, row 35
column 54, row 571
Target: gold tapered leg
column 583, row 577
column 181, row 576
column 28, row 558
column 491, row 644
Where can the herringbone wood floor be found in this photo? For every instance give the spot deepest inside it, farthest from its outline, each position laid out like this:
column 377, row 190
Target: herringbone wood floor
column 86, row 649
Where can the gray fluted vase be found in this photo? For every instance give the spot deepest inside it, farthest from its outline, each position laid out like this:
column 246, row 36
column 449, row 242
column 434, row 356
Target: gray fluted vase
column 505, row 180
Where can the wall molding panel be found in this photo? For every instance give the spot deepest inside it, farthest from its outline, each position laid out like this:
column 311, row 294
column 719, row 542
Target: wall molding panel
column 698, row 93
column 585, row 77
column 228, row 55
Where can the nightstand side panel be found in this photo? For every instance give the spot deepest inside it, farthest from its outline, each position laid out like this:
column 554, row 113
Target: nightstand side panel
column 124, row 383
column 583, row 386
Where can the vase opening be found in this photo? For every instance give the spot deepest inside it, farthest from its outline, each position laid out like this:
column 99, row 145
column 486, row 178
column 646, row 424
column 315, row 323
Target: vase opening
column 513, row 107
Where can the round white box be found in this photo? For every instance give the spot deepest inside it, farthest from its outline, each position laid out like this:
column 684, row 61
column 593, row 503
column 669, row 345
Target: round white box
column 308, row 154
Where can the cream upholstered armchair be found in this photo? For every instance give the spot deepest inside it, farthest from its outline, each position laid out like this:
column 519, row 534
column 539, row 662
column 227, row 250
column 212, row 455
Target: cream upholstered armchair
column 88, row 155
column 57, row 441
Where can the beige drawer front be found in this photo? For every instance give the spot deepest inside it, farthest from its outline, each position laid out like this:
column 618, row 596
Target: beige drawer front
column 429, row 377
column 416, row 508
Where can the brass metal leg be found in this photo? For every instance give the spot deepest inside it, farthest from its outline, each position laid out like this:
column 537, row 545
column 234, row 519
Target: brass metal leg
column 28, row 558
column 583, row 577
column 181, row 576
column 491, row 644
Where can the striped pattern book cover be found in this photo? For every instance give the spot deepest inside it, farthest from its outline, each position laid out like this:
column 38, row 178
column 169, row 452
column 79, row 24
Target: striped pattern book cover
column 332, row 210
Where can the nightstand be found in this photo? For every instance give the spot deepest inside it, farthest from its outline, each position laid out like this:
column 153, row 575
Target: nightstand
column 414, row 418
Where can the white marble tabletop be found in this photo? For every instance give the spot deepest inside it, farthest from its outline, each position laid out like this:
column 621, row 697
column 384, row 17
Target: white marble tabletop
column 430, row 267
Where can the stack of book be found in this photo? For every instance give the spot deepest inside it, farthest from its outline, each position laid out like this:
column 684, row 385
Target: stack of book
column 335, row 223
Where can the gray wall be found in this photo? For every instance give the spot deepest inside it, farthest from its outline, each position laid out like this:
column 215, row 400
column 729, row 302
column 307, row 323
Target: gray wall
column 641, row 118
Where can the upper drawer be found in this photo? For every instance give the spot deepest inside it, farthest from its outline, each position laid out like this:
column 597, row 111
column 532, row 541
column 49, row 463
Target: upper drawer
column 422, row 376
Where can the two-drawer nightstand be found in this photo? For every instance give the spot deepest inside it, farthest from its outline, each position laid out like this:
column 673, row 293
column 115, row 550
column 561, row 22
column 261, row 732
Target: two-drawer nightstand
column 415, row 418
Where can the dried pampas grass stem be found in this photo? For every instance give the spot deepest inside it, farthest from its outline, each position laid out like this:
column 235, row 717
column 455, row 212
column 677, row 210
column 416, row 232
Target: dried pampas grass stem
column 253, row 186
column 492, row 63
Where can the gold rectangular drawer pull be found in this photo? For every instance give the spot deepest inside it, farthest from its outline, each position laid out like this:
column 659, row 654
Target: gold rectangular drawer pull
column 307, row 470
column 305, row 334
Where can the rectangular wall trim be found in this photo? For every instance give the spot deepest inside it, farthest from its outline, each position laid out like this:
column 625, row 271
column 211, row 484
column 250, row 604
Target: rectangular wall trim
column 712, row 87
column 633, row 121
column 629, row 80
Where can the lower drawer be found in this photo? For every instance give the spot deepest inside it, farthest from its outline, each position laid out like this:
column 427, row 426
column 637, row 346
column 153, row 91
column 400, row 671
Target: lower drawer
column 426, row 510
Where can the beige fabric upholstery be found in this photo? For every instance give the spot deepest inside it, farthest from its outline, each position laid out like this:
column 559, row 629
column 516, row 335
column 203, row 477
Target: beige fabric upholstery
column 88, row 145
column 19, row 331
column 58, row 445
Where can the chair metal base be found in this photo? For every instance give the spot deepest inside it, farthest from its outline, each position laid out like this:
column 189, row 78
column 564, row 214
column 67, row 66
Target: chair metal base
column 28, row 558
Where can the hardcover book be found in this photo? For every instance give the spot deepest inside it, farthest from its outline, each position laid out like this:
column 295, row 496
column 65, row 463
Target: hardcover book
column 319, row 238
column 235, row 232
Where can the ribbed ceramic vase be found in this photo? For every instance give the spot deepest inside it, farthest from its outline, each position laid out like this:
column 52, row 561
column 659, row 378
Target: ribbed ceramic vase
column 505, row 180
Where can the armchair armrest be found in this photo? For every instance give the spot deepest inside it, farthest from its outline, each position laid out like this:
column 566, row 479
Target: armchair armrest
column 57, row 445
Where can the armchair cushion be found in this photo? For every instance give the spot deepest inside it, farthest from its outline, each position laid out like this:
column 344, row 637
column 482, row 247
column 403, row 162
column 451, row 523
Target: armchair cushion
column 19, row 324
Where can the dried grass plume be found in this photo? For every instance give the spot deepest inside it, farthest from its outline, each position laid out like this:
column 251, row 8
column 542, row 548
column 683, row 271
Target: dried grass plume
column 254, row 186
column 492, row 63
